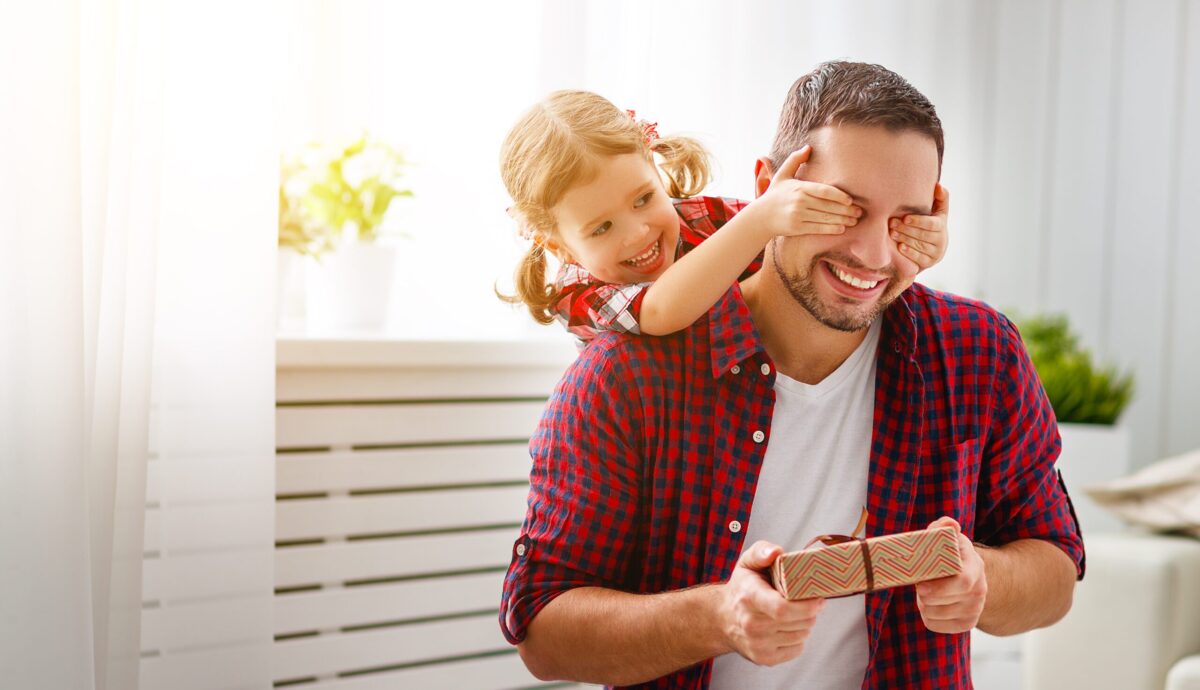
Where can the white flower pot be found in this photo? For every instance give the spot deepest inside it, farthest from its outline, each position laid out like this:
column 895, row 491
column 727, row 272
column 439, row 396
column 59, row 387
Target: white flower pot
column 348, row 290
column 1093, row 454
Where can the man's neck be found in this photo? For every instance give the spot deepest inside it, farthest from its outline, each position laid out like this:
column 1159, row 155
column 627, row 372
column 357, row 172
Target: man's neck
column 802, row 348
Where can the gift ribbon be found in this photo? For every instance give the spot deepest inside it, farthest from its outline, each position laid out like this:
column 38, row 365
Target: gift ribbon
column 834, row 539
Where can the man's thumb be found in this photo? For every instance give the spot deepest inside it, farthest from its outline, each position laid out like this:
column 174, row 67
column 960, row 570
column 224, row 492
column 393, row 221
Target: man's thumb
column 945, row 521
column 760, row 556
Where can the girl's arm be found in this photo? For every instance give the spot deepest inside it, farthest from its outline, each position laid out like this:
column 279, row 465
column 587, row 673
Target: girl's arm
column 690, row 287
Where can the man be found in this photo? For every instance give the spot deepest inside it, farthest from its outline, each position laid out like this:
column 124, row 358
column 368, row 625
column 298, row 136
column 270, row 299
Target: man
column 827, row 382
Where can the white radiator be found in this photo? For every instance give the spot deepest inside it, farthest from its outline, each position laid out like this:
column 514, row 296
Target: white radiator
column 402, row 473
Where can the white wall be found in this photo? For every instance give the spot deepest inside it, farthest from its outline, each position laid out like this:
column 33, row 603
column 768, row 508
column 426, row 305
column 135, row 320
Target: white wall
column 1092, row 170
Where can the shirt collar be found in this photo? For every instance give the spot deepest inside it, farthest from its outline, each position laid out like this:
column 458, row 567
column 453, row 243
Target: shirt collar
column 734, row 338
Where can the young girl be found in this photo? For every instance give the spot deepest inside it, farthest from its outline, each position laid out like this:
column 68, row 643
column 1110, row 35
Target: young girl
column 637, row 257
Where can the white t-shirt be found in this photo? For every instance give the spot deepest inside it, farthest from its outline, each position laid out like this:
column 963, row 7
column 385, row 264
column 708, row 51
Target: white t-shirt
column 814, row 481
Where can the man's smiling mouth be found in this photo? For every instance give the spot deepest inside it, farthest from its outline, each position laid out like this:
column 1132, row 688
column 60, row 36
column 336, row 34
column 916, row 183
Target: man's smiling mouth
column 852, row 281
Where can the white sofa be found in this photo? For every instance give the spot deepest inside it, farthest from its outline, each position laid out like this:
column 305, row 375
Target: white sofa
column 1135, row 622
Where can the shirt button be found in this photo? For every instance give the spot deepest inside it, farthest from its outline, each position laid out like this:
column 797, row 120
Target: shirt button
column 759, row 436
column 736, row 369
column 896, row 346
column 520, row 549
column 766, row 369
column 735, row 527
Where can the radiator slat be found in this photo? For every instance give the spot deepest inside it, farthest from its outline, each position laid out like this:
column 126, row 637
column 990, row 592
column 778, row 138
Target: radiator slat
column 348, row 471
column 422, row 423
column 307, row 565
column 402, row 512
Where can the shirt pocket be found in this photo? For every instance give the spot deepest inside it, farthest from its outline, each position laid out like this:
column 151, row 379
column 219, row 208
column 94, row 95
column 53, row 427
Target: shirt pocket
column 949, row 485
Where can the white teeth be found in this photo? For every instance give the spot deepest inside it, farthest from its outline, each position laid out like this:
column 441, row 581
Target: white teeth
column 851, row 280
column 644, row 258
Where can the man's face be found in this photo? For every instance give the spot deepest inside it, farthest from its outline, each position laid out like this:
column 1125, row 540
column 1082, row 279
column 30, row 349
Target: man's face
column 845, row 281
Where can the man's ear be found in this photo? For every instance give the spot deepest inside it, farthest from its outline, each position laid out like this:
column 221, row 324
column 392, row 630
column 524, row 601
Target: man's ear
column 763, row 172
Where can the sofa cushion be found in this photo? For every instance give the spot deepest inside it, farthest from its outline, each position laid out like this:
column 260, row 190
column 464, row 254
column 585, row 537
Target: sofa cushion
column 1164, row 497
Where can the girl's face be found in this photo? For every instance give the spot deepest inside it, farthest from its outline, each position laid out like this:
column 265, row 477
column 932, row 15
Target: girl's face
column 620, row 227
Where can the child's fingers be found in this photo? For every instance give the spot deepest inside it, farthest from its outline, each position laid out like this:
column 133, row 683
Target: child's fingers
column 825, row 191
column 921, row 246
column 921, row 259
column 814, row 204
column 928, row 231
column 930, row 223
column 820, row 229
column 823, row 217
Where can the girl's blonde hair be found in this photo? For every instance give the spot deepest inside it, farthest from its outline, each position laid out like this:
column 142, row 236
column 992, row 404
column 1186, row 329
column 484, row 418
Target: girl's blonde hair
column 556, row 146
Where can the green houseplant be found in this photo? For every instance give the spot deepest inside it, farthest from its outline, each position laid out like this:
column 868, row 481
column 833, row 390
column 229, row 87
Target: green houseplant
column 1081, row 391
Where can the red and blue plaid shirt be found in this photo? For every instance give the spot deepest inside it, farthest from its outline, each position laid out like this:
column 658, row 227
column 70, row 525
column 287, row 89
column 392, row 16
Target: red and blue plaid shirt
column 586, row 306
column 648, row 452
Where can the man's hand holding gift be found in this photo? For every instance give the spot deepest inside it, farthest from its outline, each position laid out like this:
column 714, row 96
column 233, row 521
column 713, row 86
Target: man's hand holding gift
column 757, row 622
column 953, row 604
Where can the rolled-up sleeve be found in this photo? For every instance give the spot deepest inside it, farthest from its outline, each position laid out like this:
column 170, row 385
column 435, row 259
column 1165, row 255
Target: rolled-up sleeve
column 1021, row 495
column 581, row 514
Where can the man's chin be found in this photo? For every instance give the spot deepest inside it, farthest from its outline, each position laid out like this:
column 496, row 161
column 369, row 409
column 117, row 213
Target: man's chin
column 847, row 319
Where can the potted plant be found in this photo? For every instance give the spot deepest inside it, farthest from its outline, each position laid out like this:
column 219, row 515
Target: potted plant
column 1088, row 399
column 332, row 207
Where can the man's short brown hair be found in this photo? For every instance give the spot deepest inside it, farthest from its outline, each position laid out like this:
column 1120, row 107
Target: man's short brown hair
column 855, row 93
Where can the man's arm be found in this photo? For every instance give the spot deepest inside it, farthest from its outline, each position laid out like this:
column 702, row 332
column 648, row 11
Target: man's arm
column 597, row 635
column 1031, row 584
column 1020, row 572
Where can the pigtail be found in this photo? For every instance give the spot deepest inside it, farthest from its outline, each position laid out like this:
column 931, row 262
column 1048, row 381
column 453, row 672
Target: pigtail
column 530, row 283
column 686, row 163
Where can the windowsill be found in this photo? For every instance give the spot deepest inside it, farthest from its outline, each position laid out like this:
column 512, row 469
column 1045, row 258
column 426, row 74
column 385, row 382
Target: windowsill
column 374, row 351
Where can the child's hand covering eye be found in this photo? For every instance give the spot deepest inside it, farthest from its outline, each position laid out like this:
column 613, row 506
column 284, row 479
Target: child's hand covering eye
column 923, row 239
column 800, row 207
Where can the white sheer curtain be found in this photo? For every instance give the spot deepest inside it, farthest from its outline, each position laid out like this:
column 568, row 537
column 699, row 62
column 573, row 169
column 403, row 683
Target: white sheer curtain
column 137, row 217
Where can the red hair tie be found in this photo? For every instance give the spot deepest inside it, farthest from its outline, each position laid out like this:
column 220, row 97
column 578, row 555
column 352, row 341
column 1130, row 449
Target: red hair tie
column 649, row 129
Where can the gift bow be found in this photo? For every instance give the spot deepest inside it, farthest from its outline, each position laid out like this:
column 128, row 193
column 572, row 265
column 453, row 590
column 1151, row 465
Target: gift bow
column 834, row 539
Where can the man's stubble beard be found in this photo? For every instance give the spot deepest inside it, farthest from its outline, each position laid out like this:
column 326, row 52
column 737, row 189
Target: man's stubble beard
column 802, row 289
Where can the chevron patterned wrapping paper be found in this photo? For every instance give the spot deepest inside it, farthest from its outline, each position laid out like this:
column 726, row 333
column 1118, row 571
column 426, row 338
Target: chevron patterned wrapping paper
column 897, row 559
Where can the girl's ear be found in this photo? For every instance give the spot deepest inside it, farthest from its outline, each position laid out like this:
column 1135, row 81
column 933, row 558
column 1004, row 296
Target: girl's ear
column 554, row 248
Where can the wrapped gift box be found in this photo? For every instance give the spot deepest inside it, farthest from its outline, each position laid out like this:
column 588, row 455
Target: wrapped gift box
column 841, row 569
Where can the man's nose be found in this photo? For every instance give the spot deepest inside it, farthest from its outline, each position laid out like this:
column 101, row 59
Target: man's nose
column 871, row 243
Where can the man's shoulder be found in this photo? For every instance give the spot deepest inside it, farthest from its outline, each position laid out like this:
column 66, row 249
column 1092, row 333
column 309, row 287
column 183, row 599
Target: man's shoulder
column 940, row 310
column 950, row 323
column 622, row 358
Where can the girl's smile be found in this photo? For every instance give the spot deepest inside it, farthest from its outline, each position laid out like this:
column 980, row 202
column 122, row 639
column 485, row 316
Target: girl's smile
column 649, row 260
column 620, row 227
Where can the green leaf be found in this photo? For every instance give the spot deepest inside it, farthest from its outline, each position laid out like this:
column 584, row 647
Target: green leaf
column 1079, row 389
